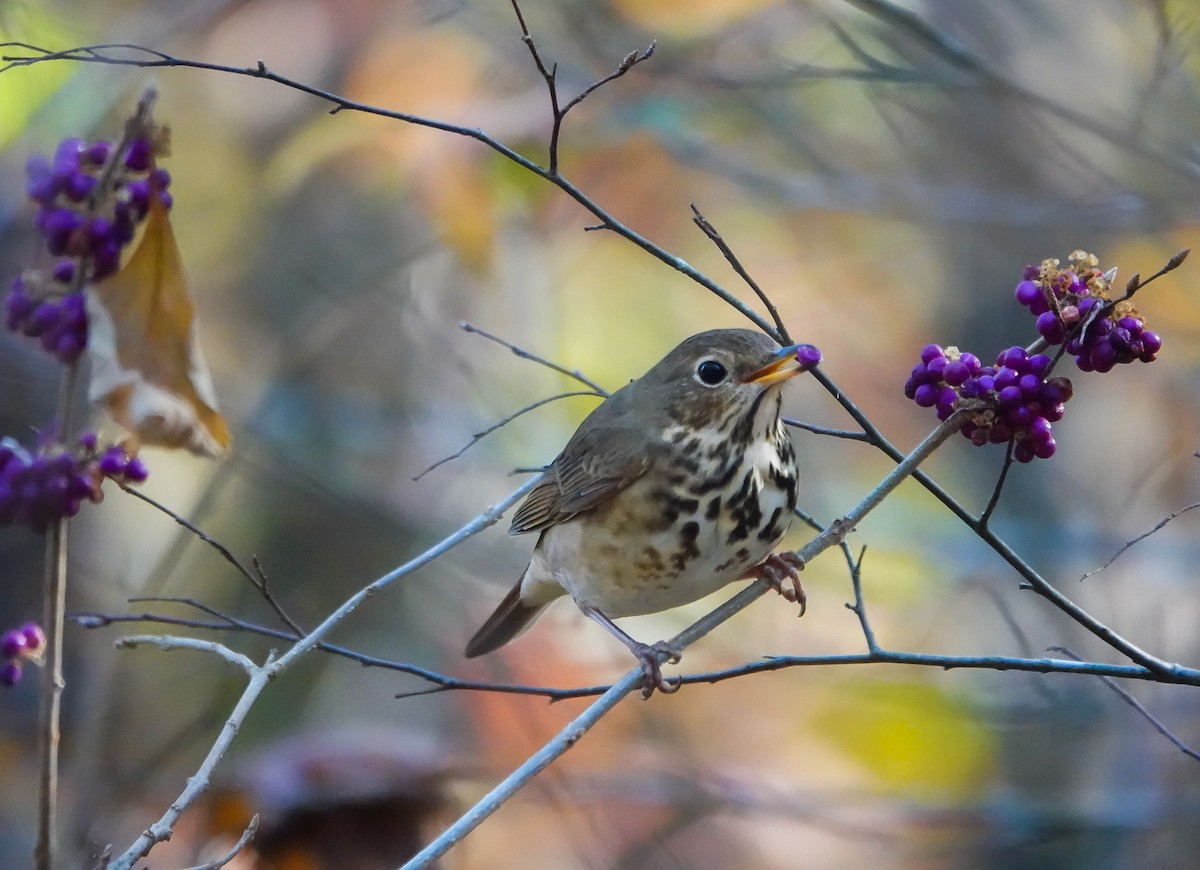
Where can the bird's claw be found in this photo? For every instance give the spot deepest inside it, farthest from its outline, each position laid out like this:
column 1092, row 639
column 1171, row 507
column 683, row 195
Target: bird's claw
column 779, row 567
column 648, row 657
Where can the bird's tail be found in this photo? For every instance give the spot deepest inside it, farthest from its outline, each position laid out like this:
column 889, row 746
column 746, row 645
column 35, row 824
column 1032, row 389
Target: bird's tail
column 510, row 619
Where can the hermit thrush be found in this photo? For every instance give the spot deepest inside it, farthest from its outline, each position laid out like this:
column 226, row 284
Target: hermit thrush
column 681, row 482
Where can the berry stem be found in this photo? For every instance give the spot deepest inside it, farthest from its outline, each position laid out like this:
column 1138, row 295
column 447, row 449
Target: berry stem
column 52, row 682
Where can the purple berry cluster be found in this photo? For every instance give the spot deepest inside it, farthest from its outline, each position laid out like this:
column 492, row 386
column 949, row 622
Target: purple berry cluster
column 91, row 197
column 39, row 488
column 1073, row 306
column 59, row 322
column 18, row 646
column 1010, row 401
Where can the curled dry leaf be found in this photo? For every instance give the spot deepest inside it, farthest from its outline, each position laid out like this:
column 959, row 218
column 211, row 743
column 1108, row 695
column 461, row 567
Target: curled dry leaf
column 146, row 363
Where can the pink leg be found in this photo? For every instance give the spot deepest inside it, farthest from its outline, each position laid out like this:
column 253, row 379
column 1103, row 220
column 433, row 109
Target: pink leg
column 775, row 569
column 647, row 655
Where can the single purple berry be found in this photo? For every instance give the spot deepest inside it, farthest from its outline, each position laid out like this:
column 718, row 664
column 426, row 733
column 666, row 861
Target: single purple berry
column 1013, row 358
column 979, row 437
column 57, row 226
column 1023, row 451
column 40, row 186
column 931, row 352
column 1031, row 273
column 165, row 199
column 106, row 259
column 138, row 193
column 78, row 185
column 937, row 368
column 139, row 155
column 1031, row 386
column 66, row 157
column 1151, row 343
column 17, row 307
column 43, row 319
column 1103, row 356
column 10, row 674
column 1039, row 364
column 64, row 270
column 807, row 355
column 1051, row 328
column 12, row 644
column 97, row 153
column 926, row 395
column 113, row 462
column 1006, row 377
column 956, row 373
column 1026, row 292
column 1009, row 397
column 1039, row 429
column 136, row 471
column 1045, row 449
column 35, row 638
column 160, row 180
column 88, row 441
column 910, row 389
column 971, row 362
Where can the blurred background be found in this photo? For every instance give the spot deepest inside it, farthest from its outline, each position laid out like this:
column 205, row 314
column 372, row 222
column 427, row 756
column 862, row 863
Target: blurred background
column 884, row 170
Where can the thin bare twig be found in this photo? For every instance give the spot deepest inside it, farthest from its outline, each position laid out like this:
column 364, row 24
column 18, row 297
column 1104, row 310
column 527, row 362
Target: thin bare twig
column 999, row 487
column 170, row 643
column 54, row 605
column 715, row 237
column 259, row 581
column 1137, row 705
column 1157, row 527
column 1135, row 282
column 242, row 843
column 822, row 430
column 533, row 357
column 479, row 436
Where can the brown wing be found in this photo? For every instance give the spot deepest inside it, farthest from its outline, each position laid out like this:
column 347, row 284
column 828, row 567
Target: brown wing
column 604, row 456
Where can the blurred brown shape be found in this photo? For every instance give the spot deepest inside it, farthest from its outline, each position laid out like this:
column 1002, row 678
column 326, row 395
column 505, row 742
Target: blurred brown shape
column 352, row 800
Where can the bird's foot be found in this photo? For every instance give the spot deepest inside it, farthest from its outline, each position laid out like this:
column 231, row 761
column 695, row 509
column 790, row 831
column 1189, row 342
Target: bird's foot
column 779, row 567
column 648, row 655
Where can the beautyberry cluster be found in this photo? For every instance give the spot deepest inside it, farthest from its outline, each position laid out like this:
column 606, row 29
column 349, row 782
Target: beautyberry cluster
column 38, row 488
column 91, row 196
column 60, row 322
column 91, row 199
column 1011, row 400
column 18, row 646
column 1073, row 305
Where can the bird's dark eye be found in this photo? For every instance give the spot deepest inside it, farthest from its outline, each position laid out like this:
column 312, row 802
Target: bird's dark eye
column 711, row 372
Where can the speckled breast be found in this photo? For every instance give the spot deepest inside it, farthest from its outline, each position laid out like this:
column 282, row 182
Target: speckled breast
column 709, row 514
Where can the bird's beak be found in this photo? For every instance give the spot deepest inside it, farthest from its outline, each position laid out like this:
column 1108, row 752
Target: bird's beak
column 787, row 363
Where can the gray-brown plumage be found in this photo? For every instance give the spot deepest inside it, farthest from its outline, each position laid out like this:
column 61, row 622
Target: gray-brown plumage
column 679, row 483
